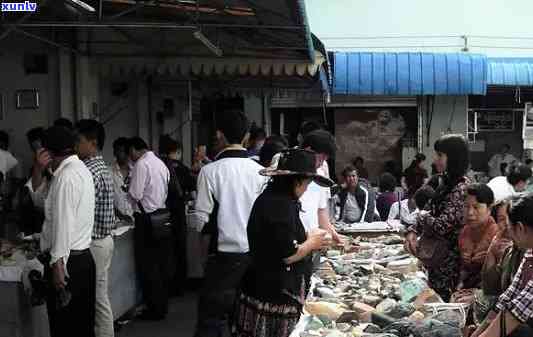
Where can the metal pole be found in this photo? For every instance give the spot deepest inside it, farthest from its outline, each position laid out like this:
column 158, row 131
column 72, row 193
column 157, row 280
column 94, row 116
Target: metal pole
column 189, row 91
column 150, row 121
column 100, row 10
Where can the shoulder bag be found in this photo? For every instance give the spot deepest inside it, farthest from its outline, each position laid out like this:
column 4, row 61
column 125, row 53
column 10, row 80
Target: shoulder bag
column 432, row 250
column 159, row 223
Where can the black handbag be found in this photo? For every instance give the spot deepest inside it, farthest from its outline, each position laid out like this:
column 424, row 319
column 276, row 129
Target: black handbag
column 159, row 223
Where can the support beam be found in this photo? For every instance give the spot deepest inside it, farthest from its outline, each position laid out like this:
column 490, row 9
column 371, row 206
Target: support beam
column 163, row 25
column 256, row 5
column 100, row 10
column 48, row 41
column 139, row 5
column 131, row 38
column 11, row 28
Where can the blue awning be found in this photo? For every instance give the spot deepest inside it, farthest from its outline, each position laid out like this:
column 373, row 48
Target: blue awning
column 510, row 71
column 409, row 74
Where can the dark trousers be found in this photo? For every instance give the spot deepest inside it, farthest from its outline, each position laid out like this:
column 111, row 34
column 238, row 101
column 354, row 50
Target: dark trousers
column 154, row 261
column 224, row 272
column 180, row 252
column 77, row 318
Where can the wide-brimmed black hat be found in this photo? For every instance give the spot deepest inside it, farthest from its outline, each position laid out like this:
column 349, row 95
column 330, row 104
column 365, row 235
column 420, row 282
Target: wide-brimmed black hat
column 298, row 162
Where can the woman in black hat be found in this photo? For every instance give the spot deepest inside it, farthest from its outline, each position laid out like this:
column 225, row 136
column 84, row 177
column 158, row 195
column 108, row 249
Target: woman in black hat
column 277, row 281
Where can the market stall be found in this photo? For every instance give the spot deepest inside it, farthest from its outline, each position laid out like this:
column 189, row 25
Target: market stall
column 19, row 318
column 372, row 287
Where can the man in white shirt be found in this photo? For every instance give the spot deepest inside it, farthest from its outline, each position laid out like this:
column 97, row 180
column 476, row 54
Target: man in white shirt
column 504, row 157
column 148, row 192
column 232, row 182
column 7, row 161
column 507, row 188
column 66, row 236
column 315, row 210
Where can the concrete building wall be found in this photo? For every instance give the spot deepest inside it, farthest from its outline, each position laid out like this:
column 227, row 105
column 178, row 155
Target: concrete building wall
column 119, row 114
column 13, row 78
column 446, row 119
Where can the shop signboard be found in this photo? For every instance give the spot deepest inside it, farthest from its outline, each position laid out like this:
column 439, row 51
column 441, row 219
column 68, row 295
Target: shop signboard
column 495, row 121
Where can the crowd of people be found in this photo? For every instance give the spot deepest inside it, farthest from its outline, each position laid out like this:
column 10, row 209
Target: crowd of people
column 72, row 202
column 265, row 211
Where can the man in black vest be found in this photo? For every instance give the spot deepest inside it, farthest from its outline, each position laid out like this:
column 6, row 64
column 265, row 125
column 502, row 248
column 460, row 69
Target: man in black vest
column 357, row 200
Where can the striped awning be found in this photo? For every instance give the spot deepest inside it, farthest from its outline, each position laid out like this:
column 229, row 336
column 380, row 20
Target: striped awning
column 409, row 74
column 208, row 66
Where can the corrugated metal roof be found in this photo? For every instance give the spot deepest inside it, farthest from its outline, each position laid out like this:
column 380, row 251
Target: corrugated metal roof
column 409, row 74
column 510, row 71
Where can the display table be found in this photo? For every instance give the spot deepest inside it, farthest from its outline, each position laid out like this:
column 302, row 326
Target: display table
column 370, row 229
column 197, row 249
column 19, row 319
column 124, row 288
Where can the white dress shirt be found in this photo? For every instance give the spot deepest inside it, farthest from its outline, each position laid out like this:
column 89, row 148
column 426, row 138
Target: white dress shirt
column 234, row 183
column 149, row 183
column 69, row 210
column 121, row 198
column 38, row 196
column 502, row 189
column 406, row 215
column 7, row 162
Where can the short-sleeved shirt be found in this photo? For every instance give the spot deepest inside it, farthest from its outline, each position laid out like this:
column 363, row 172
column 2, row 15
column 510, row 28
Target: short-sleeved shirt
column 104, row 213
column 312, row 200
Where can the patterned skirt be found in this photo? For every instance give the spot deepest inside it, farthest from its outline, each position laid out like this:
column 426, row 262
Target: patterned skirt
column 254, row 318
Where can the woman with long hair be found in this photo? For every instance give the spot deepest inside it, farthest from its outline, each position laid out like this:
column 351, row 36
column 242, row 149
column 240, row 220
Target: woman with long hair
column 274, row 287
column 445, row 220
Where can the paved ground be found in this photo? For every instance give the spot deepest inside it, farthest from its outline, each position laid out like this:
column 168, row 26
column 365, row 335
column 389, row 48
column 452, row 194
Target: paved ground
column 180, row 321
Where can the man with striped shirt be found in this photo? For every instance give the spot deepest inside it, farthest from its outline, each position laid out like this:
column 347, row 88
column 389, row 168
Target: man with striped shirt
column 91, row 138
